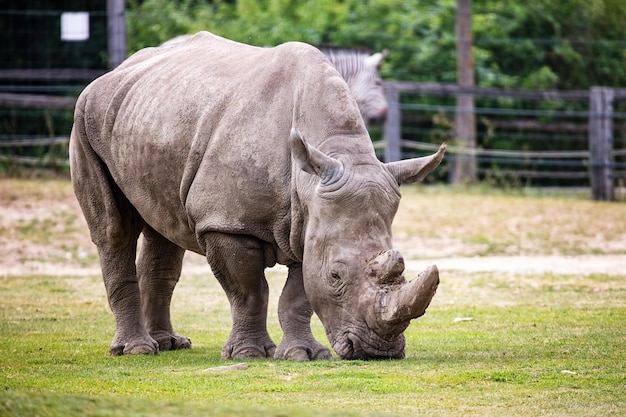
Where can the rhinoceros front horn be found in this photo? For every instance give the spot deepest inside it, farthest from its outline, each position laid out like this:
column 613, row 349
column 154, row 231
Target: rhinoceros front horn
column 408, row 301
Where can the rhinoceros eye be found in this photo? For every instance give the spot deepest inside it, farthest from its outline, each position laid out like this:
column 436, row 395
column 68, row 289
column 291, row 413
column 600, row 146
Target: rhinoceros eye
column 338, row 275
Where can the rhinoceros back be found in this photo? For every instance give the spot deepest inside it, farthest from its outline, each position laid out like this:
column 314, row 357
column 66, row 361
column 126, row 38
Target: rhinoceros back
column 195, row 136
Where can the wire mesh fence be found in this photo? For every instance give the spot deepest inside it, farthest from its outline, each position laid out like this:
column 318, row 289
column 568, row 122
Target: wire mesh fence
column 532, row 140
column 536, row 138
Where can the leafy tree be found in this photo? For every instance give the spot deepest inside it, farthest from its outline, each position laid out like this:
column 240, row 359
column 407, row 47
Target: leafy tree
column 532, row 44
column 551, row 43
column 151, row 22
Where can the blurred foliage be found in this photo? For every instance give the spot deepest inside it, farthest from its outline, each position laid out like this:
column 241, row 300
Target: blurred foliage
column 535, row 44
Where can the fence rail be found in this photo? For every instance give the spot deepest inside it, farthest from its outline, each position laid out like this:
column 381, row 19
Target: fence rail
column 62, row 74
column 35, row 161
column 444, row 89
column 37, row 100
column 49, row 159
column 30, row 141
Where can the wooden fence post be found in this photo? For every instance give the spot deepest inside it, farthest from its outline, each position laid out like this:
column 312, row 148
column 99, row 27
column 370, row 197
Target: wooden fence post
column 116, row 39
column 463, row 164
column 601, row 142
column 393, row 151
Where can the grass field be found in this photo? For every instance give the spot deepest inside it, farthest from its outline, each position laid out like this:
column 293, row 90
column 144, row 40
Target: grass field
column 530, row 344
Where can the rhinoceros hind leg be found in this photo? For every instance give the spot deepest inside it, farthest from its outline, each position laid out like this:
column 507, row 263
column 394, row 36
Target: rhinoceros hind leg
column 238, row 263
column 294, row 313
column 158, row 268
column 118, row 268
column 114, row 225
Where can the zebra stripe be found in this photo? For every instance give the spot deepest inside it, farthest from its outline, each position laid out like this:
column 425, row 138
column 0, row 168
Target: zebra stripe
column 359, row 67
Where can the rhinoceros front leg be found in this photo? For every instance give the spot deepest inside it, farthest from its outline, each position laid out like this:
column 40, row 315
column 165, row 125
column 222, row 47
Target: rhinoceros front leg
column 294, row 314
column 120, row 281
column 158, row 268
column 238, row 263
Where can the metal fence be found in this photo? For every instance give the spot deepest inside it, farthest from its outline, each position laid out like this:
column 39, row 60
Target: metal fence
column 36, row 113
column 546, row 138
column 536, row 138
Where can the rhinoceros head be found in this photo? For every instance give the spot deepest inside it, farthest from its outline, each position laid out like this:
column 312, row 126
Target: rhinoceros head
column 353, row 277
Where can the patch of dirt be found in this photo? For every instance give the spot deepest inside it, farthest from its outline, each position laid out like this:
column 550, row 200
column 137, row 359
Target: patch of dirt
column 42, row 231
column 453, row 254
column 559, row 265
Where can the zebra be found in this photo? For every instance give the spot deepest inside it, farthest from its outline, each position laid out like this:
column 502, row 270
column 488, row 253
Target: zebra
column 359, row 67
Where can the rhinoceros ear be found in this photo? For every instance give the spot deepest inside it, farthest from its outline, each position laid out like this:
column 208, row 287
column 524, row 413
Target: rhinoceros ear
column 311, row 160
column 412, row 170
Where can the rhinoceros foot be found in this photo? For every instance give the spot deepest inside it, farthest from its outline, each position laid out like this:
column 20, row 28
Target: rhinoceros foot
column 171, row 341
column 300, row 351
column 140, row 346
column 246, row 350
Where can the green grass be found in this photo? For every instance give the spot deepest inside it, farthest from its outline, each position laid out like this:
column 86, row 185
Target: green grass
column 509, row 359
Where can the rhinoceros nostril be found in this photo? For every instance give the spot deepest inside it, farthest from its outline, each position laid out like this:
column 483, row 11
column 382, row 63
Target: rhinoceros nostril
column 350, row 345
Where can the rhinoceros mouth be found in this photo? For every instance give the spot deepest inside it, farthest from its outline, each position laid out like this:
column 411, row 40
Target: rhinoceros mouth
column 352, row 346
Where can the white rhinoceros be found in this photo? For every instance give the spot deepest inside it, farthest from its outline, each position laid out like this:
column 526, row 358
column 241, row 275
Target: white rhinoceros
column 191, row 146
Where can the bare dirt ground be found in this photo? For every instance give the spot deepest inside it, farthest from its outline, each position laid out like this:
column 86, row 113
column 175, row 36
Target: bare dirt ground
column 42, row 231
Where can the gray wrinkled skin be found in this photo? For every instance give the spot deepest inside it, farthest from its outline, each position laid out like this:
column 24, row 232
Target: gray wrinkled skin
column 193, row 147
column 357, row 67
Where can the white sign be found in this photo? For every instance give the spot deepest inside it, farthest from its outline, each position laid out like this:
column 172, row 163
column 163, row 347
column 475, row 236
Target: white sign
column 74, row 26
